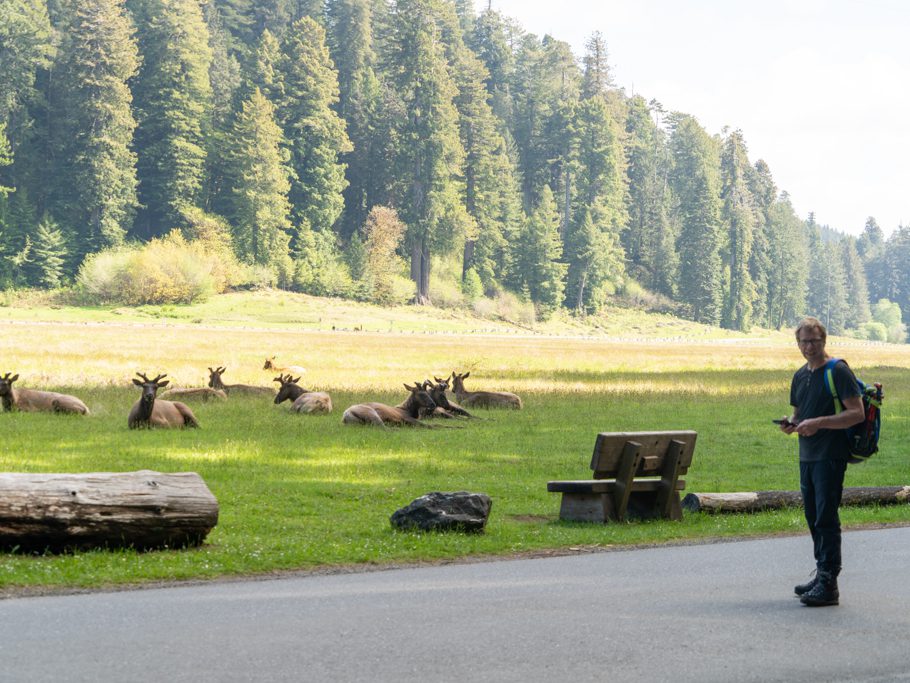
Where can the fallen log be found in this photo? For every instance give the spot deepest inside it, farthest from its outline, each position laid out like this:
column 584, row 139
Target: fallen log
column 142, row 510
column 755, row 501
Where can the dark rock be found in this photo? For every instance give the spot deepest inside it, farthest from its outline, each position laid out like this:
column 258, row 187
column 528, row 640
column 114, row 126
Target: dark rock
column 436, row 511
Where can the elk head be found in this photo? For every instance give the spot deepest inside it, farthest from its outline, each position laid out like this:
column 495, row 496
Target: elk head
column 420, row 396
column 269, row 363
column 289, row 390
column 6, row 384
column 215, row 377
column 150, row 387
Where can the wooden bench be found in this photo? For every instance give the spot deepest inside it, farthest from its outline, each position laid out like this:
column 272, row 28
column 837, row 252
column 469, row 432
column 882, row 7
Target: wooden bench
column 636, row 474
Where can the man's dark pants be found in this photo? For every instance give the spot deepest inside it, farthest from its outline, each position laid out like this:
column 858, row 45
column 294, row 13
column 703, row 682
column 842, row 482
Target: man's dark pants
column 822, row 484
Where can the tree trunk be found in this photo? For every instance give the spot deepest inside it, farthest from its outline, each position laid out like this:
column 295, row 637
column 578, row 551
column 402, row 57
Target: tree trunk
column 754, row 501
column 143, row 510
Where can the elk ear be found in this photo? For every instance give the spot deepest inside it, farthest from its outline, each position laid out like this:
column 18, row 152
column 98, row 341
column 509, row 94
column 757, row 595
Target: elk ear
column 466, row 375
column 164, row 383
column 137, row 382
column 409, row 388
column 13, row 378
column 294, row 380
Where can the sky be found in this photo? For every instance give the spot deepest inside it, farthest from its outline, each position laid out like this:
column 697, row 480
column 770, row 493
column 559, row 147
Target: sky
column 819, row 88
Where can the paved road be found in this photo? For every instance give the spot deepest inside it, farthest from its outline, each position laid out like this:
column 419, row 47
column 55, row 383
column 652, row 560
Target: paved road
column 718, row 612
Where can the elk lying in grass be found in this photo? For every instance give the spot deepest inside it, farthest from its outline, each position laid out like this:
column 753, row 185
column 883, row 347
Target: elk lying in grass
column 32, row 400
column 406, row 413
column 200, row 393
column 444, row 407
column 482, row 399
column 309, row 402
column 270, row 364
column 148, row 412
column 216, row 383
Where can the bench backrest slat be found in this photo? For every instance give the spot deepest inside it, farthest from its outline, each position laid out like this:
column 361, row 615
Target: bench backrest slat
column 609, row 448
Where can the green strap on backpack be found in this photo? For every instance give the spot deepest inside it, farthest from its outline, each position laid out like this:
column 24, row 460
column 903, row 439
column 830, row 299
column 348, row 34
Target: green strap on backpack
column 863, row 436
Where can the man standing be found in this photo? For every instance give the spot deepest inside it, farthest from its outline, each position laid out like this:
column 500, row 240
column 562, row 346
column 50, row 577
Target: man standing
column 823, row 454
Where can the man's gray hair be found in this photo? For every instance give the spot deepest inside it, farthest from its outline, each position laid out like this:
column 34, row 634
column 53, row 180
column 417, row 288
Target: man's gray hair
column 810, row 323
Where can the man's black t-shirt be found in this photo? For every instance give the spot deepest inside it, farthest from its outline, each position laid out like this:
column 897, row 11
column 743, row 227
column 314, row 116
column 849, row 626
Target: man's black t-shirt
column 811, row 398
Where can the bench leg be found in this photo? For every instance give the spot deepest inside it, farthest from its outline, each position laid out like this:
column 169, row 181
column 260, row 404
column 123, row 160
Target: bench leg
column 584, row 507
column 628, row 466
column 668, row 505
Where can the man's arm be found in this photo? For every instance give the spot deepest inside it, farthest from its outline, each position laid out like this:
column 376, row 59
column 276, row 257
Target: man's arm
column 851, row 414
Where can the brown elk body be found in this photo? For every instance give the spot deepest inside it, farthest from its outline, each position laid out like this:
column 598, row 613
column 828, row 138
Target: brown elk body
column 201, row 393
column 32, row 400
column 148, row 412
column 482, row 399
column 270, row 364
column 215, row 382
column 303, row 401
column 406, row 413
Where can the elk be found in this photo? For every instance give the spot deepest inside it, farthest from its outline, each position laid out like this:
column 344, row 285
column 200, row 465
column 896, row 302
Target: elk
column 444, row 407
column 216, row 383
column 293, row 369
column 148, row 412
column 303, row 401
column 203, row 393
column 32, row 400
column 482, row 399
column 406, row 413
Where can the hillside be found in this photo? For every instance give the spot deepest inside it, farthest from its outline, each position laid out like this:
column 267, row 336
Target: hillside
column 275, row 309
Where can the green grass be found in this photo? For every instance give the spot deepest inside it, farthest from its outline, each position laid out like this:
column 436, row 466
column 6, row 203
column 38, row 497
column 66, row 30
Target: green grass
column 303, row 492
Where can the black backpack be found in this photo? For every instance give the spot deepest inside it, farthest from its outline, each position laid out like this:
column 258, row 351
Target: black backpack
column 863, row 437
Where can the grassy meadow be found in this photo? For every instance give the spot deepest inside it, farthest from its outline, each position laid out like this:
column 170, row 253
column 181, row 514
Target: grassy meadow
column 305, row 492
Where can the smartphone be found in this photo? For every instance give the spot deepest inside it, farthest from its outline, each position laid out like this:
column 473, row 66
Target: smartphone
column 784, row 422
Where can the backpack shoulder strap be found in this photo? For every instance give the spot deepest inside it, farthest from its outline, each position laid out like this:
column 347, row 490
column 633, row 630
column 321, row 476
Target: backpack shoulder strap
column 829, row 382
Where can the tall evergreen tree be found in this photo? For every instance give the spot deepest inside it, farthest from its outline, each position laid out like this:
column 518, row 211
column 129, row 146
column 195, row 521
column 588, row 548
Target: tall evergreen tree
column 597, row 79
column 350, row 33
column 94, row 134
column 858, row 311
column 314, row 132
column 49, row 255
column 262, row 227
column 764, row 194
column 536, row 266
column 826, row 292
column 696, row 185
column 173, row 96
column 787, row 274
column 594, row 251
column 896, row 271
column 429, row 159
column 489, row 42
column 738, row 215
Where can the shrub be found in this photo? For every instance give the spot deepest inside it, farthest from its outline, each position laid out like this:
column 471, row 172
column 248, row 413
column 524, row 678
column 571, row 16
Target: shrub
column 873, row 332
column 166, row 270
column 471, row 285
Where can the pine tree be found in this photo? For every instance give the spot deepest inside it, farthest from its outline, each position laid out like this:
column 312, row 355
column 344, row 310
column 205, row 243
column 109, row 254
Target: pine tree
column 738, row 216
column 489, row 42
column 787, row 273
column 536, row 266
column 594, row 251
column 826, row 292
column 315, row 134
column 95, row 130
column 858, row 311
column 429, row 156
column 49, row 253
column 597, row 79
column 696, row 185
column 173, row 96
column 261, row 233
column 351, row 45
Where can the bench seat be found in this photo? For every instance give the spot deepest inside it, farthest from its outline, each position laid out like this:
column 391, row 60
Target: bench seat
column 606, row 485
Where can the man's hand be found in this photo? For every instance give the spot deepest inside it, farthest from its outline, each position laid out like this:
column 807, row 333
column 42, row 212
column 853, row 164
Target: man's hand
column 786, row 426
column 808, row 427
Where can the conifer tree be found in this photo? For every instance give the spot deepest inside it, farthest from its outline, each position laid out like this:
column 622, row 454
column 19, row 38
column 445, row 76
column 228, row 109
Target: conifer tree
column 738, row 215
column 94, row 137
column 826, row 292
column 173, row 96
column 764, row 194
column 696, row 185
column 536, row 266
column 787, row 274
column 489, row 42
column 49, row 253
column 315, row 134
column 858, row 311
column 429, row 159
column 597, row 79
column 261, row 230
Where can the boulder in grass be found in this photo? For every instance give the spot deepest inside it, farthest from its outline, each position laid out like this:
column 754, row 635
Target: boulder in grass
column 436, row 511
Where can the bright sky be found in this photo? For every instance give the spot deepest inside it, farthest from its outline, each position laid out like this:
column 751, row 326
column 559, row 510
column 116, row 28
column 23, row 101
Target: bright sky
column 820, row 88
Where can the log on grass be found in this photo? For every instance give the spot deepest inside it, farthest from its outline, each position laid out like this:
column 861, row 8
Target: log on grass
column 142, row 510
column 755, row 501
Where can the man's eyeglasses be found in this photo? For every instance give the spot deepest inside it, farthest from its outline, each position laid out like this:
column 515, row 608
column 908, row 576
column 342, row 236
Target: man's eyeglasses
column 809, row 342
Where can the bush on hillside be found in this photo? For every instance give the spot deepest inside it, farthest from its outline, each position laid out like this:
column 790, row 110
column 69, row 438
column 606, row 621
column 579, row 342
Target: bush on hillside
column 169, row 270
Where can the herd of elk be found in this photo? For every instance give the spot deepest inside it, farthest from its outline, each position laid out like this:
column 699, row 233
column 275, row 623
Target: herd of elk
column 149, row 412
column 32, row 400
column 417, row 403
column 270, row 364
column 482, row 399
column 302, row 400
column 216, row 383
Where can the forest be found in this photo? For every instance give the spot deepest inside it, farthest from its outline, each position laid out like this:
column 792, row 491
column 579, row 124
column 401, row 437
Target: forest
column 391, row 151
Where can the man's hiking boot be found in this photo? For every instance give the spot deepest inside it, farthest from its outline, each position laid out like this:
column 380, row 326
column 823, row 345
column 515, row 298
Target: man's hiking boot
column 804, row 588
column 823, row 593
